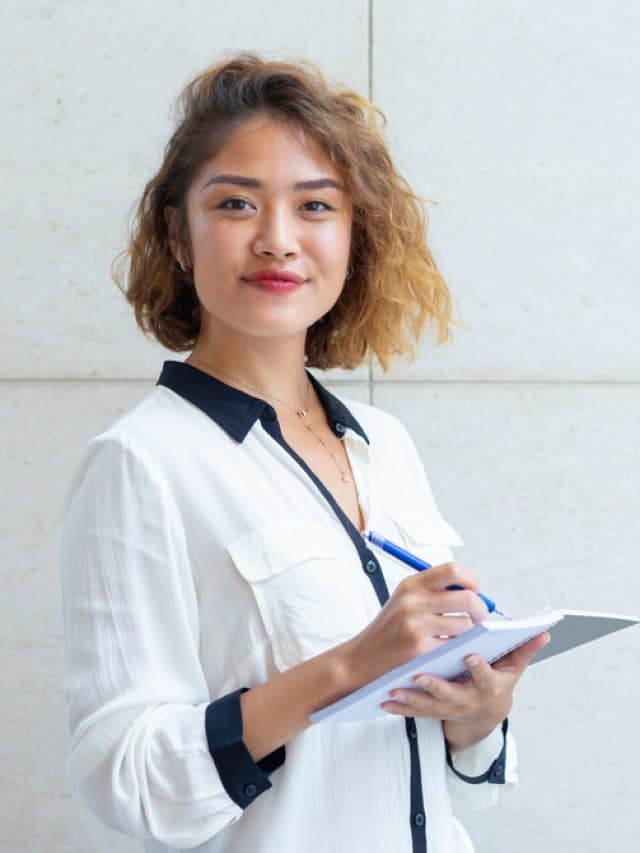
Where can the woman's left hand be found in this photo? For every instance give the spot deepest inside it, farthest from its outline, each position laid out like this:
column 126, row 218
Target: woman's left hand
column 471, row 709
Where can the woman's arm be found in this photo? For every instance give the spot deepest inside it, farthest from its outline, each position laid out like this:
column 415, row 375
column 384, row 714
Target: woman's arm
column 409, row 624
column 138, row 700
column 274, row 712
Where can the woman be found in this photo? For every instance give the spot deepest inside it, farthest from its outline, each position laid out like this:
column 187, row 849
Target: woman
column 217, row 589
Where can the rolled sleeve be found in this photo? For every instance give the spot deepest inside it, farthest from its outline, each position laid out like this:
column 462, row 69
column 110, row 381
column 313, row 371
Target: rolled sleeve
column 140, row 716
column 475, row 773
column 242, row 777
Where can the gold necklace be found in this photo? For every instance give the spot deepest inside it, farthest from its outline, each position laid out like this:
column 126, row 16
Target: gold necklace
column 303, row 414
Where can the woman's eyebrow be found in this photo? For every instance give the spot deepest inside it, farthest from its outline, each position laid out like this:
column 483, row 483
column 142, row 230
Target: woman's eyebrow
column 239, row 180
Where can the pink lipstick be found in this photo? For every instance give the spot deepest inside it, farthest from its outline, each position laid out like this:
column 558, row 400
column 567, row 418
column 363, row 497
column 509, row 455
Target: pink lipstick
column 276, row 281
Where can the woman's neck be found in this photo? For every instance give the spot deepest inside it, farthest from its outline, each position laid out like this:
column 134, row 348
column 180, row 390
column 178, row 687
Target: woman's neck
column 276, row 372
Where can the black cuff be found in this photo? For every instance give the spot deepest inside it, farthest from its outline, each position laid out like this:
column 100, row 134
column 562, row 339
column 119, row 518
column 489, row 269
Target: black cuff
column 243, row 778
column 495, row 773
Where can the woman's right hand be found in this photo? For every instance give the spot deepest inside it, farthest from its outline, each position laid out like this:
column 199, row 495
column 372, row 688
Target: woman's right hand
column 410, row 623
column 420, row 615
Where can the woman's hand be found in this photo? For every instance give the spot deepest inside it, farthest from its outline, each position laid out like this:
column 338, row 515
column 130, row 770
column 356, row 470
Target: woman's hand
column 420, row 615
column 473, row 708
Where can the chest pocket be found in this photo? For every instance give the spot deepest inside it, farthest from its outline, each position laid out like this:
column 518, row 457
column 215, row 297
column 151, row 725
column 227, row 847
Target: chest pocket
column 308, row 587
column 426, row 534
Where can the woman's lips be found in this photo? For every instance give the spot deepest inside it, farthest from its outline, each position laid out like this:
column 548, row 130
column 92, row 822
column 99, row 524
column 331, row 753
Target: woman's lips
column 275, row 285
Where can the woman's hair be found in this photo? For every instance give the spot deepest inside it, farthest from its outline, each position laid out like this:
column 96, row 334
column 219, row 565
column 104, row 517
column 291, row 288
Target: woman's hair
column 395, row 286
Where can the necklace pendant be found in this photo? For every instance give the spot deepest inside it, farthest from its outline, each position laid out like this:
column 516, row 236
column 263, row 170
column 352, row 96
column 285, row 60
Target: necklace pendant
column 345, row 477
column 303, row 413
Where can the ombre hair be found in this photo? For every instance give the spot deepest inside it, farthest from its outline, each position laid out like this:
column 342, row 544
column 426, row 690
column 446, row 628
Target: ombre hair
column 395, row 287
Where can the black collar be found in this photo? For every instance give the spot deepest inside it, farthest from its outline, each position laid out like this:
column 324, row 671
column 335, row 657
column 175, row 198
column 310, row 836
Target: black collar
column 235, row 411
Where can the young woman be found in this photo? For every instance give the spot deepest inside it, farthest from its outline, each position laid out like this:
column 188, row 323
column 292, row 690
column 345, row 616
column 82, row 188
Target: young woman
column 217, row 589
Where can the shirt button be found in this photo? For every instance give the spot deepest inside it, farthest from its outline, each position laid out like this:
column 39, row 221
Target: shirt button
column 371, row 567
column 418, row 819
column 497, row 770
column 340, row 427
column 250, row 790
column 412, row 730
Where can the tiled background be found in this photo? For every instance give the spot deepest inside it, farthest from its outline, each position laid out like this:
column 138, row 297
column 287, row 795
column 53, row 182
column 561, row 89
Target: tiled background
column 520, row 121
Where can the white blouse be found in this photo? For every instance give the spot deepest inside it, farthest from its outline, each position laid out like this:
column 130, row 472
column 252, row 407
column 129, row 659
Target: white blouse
column 199, row 557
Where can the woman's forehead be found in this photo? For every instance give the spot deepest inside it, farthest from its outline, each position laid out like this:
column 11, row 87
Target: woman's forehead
column 273, row 148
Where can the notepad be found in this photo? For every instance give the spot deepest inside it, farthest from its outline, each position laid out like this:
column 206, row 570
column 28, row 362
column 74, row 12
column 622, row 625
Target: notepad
column 492, row 639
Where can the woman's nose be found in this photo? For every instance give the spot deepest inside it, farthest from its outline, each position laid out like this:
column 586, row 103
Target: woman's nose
column 276, row 234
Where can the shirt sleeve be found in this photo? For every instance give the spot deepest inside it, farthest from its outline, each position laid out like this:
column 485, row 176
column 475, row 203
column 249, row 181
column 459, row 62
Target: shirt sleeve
column 151, row 755
column 475, row 774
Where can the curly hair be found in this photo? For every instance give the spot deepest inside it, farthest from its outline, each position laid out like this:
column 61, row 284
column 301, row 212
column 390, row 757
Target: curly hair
column 395, row 286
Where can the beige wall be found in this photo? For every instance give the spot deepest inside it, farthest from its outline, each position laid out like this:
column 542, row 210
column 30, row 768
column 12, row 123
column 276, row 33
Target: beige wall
column 521, row 122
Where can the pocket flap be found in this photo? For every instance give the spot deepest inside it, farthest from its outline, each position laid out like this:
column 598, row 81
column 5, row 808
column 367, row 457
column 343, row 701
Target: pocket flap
column 272, row 549
column 424, row 527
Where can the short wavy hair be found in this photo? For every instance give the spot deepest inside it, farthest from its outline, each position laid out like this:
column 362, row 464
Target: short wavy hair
column 395, row 286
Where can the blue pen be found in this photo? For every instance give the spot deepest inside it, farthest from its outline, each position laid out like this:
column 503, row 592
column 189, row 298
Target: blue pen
column 421, row 565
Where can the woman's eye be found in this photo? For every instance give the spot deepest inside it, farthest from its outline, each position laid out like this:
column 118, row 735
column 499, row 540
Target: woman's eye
column 324, row 204
column 230, row 200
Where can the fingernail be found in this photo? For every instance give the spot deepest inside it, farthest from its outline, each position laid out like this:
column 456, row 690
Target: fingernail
column 473, row 660
column 423, row 681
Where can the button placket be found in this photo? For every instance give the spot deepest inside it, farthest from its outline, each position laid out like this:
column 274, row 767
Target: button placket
column 362, row 477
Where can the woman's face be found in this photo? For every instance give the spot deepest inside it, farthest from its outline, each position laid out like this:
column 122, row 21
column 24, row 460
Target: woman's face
column 238, row 228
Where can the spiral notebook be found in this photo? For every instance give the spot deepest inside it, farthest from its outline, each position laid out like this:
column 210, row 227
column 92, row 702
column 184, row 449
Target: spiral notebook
column 492, row 639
